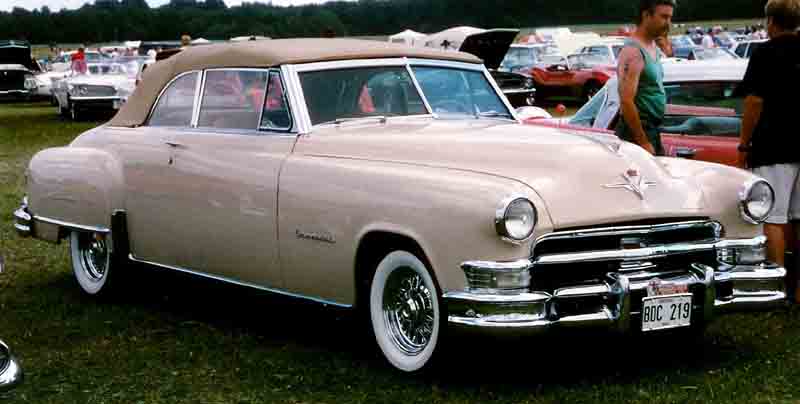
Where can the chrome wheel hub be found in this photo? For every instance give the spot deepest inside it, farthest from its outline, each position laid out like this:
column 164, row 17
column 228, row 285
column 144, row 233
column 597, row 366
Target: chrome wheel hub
column 94, row 255
column 408, row 311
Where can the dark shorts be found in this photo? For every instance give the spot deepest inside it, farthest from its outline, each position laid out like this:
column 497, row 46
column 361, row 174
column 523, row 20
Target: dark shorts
column 653, row 133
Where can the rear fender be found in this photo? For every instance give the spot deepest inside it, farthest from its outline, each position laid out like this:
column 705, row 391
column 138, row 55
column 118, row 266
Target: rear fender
column 74, row 187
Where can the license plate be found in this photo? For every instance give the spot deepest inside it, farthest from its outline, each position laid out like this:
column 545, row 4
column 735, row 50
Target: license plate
column 664, row 312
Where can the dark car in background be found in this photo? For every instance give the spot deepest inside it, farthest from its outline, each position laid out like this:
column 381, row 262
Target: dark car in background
column 17, row 69
column 492, row 46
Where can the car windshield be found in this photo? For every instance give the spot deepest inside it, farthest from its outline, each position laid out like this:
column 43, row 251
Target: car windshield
column 587, row 60
column 130, row 64
column 334, row 96
column 107, row 68
column 714, row 53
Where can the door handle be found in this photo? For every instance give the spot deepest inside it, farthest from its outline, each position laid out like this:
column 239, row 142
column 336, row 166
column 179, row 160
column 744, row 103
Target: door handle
column 685, row 152
column 172, row 143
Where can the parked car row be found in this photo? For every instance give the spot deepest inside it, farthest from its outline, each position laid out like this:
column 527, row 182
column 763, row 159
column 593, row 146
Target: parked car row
column 401, row 182
column 703, row 118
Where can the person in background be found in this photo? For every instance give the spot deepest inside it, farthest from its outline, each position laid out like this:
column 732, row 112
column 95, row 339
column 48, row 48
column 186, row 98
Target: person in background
column 78, row 61
column 768, row 130
column 186, row 41
column 708, row 40
column 641, row 77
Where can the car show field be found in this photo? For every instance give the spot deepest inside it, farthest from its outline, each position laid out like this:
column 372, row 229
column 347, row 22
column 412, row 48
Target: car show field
column 178, row 339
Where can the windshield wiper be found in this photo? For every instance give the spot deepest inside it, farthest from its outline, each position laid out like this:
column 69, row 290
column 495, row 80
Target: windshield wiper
column 338, row 121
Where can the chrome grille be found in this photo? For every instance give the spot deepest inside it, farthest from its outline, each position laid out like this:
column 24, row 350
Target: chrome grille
column 97, row 91
column 614, row 241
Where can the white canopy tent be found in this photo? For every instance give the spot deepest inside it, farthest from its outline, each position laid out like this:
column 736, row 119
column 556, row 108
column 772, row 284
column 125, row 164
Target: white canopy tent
column 409, row 37
column 200, row 41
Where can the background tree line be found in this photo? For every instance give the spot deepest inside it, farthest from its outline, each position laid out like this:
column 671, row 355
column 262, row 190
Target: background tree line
column 117, row 20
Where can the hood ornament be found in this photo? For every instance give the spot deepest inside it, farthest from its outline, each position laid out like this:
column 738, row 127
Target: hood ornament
column 634, row 182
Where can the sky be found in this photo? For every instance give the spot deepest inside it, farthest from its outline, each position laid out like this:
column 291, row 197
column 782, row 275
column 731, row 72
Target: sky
column 55, row 5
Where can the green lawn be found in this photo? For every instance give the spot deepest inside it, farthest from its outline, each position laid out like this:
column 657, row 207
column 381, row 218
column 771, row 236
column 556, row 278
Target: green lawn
column 179, row 340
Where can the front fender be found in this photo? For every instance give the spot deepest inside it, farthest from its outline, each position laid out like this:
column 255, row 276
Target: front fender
column 75, row 185
column 721, row 186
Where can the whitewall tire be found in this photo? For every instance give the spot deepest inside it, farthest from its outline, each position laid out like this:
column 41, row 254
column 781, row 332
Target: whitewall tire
column 91, row 261
column 405, row 311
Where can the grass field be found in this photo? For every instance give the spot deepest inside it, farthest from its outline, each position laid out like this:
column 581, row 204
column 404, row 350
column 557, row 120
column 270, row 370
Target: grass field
column 179, row 340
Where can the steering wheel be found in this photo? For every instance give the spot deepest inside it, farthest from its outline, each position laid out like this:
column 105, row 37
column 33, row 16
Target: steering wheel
column 450, row 106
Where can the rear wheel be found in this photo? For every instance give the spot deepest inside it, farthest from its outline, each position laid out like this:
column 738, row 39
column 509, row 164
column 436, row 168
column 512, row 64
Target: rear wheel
column 405, row 311
column 93, row 262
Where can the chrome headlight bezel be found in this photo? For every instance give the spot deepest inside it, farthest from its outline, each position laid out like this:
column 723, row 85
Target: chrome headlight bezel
column 509, row 206
column 746, row 196
column 30, row 82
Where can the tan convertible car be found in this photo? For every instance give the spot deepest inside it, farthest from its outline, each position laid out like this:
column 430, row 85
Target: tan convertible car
column 399, row 181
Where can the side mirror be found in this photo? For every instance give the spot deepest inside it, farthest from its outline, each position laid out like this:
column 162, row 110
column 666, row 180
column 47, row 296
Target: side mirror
column 526, row 113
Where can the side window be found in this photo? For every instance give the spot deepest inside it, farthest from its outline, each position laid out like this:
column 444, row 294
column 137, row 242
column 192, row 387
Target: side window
column 232, row 99
column 276, row 114
column 175, row 106
column 706, row 108
column 741, row 49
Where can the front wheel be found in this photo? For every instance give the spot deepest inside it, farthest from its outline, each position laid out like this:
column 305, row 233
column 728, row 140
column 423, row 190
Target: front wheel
column 405, row 311
column 93, row 262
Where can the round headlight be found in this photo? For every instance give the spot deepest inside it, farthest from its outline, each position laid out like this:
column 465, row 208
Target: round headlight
column 756, row 201
column 529, row 83
column 515, row 219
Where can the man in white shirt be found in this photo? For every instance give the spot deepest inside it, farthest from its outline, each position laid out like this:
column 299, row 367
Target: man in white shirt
column 708, row 40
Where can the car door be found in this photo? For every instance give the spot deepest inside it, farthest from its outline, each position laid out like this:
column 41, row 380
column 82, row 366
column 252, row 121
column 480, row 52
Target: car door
column 154, row 231
column 226, row 172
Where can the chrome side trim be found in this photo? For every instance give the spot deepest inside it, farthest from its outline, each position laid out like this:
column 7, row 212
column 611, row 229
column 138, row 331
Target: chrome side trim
column 240, row 283
column 71, row 225
column 199, row 88
column 10, row 371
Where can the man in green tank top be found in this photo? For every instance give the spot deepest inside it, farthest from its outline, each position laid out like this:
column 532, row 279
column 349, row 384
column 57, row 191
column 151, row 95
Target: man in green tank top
column 641, row 77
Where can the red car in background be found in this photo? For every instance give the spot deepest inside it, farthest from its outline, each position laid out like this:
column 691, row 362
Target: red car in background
column 703, row 116
column 578, row 76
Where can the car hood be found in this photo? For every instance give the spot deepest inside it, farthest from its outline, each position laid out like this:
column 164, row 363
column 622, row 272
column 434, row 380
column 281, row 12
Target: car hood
column 490, row 45
column 17, row 55
column 13, row 67
column 580, row 176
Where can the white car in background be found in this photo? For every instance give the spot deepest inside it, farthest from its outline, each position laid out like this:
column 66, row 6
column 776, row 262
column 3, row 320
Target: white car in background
column 104, row 88
column 745, row 48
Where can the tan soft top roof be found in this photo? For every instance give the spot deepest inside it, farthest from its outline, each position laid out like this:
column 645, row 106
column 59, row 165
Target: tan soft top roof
column 264, row 53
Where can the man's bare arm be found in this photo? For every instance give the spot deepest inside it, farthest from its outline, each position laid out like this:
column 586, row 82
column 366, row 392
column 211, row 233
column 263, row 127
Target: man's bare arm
column 631, row 64
column 753, row 106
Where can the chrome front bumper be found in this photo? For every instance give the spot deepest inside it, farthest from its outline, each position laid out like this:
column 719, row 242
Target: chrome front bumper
column 23, row 220
column 615, row 303
column 10, row 371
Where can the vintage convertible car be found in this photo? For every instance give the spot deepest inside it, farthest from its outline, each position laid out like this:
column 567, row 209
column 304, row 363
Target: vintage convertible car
column 358, row 174
column 703, row 117
column 17, row 69
column 104, row 87
column 576, row 76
